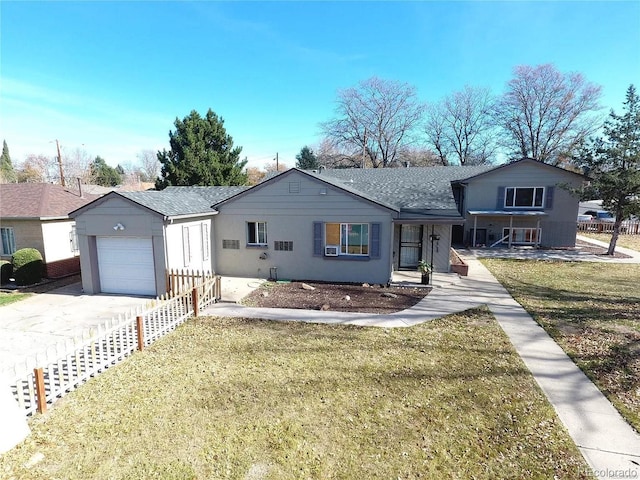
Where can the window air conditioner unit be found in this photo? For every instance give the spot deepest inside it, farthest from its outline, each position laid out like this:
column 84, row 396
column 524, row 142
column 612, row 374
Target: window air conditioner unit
column 331, row 250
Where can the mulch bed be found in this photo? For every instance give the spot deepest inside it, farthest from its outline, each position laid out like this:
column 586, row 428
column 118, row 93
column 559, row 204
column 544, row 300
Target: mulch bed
column 45, row 286
column 335, row 297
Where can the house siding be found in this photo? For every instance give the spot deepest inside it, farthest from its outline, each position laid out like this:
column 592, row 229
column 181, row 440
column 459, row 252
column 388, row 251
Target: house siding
column 27, row 234
column 290, row 205
column 175, row 245
column 57, row 240
column 484, row 193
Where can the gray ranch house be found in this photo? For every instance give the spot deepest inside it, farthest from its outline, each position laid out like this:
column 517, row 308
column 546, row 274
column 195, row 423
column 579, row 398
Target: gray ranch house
column 346, row 225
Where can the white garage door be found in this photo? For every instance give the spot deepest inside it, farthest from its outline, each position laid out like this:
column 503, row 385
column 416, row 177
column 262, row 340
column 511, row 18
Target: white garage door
column 126, row 265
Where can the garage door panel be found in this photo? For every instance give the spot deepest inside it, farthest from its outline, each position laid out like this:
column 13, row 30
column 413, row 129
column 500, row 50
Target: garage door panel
column 126, row 265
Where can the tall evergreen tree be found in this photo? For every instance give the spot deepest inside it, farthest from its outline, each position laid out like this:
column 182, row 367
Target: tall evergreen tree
column 202, row 153
column 103, row 174
column 306, row 159
column 613, row 162
column 7, row 173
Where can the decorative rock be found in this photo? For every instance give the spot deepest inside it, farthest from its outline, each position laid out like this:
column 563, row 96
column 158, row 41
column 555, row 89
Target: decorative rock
column 306, row 286
column 325, row 307
column 389, row 295
column 366, row 285
column 347, row 298
column 265, row 294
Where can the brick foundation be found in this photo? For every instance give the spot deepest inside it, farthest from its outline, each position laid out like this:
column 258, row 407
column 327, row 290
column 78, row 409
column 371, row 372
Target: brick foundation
column 62, row 268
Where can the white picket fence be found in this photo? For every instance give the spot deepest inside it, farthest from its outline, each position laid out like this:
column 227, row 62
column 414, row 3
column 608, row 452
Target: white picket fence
column 41, row 381
column 628, row 227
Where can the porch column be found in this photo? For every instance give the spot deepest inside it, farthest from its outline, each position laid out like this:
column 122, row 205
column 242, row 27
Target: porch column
column 510, row 230
column 537, row 233
column 475, row 225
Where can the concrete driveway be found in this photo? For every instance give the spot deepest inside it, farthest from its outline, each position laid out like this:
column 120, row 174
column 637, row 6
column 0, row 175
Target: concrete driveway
column 31, row 326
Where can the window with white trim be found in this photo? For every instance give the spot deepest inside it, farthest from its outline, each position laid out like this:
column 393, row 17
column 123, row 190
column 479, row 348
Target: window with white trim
column 8, row 240
column 257, row 233
column 73, row 239
column 524, row 197
column 352, row 238
column 186, row 246
column 522, row 235
column 205, row 240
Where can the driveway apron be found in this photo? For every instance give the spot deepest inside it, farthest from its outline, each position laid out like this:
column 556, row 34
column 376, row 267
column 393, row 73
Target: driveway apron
column 32, row 327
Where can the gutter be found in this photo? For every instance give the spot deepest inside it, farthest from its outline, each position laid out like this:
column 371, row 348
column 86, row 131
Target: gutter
column 44, row 219
column 171, row 218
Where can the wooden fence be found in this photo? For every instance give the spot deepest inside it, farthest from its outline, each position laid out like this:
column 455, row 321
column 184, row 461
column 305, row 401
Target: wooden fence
column 628, row 227
column 68, row 365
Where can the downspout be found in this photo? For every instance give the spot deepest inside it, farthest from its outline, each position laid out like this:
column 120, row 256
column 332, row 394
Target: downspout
column 166, row 249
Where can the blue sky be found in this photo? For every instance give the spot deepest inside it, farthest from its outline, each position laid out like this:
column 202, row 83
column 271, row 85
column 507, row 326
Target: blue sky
column 111, row 77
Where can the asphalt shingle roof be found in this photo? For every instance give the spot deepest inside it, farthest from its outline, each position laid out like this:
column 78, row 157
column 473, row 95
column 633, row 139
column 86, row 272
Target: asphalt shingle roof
column 172, row 203
column 413, row 190
column 39, row 200
column 212, row 194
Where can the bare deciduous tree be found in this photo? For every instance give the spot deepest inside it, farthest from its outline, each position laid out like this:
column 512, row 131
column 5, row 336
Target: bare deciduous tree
column 275, row 167
column 460, row 127
column 77, row 165
column 254, row 175
column 377, row 118
column 38, row 169
column 418, row 156
column 546, row 114
column 149, row 165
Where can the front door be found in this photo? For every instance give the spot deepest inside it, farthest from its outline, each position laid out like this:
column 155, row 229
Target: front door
column 410, row 246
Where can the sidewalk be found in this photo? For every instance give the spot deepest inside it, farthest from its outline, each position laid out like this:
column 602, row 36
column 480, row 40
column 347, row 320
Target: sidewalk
column 606, row 441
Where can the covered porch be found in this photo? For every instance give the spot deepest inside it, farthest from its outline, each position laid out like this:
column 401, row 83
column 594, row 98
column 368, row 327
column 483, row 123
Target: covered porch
column 413, row 241
column 494, row 227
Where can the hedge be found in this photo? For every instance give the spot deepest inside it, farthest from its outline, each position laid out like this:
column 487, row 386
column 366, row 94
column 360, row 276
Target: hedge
column 27, row 266
column 6, row 270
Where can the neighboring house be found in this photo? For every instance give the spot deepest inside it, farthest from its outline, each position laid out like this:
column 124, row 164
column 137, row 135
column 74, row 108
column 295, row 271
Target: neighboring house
column 35, row 215
column 351, row 225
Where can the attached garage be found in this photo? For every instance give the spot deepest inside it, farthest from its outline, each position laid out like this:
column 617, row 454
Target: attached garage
column 125, row 265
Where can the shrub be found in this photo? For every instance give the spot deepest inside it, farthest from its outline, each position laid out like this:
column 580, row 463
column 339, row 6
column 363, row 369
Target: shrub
column 27, row 266
column 6, row 269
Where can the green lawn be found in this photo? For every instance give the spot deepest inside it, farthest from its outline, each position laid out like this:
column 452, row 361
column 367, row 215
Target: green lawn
column 627, row 241
column 246, row 399
column 593, row 311
column 7, row 298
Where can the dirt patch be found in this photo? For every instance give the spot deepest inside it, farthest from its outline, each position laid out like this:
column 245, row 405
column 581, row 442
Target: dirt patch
column 335, row 297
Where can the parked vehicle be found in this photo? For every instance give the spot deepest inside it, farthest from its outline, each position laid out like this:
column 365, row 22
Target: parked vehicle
column 600, row 215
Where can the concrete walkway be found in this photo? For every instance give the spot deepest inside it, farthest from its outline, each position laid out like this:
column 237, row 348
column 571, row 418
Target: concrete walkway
column 609, row 445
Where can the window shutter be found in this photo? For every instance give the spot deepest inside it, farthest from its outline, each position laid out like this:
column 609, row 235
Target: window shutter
column 317, row 239
column 375, row 240
column 500, row 200
column 548, row 202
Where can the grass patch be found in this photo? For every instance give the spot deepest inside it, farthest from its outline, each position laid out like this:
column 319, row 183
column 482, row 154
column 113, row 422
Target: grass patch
column 591, row 310
column 626, row 241
column 6, row 298
column 234, row 398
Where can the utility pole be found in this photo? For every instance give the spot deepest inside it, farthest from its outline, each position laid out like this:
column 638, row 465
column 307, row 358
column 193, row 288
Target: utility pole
column 60, row 164
column 277, row 166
